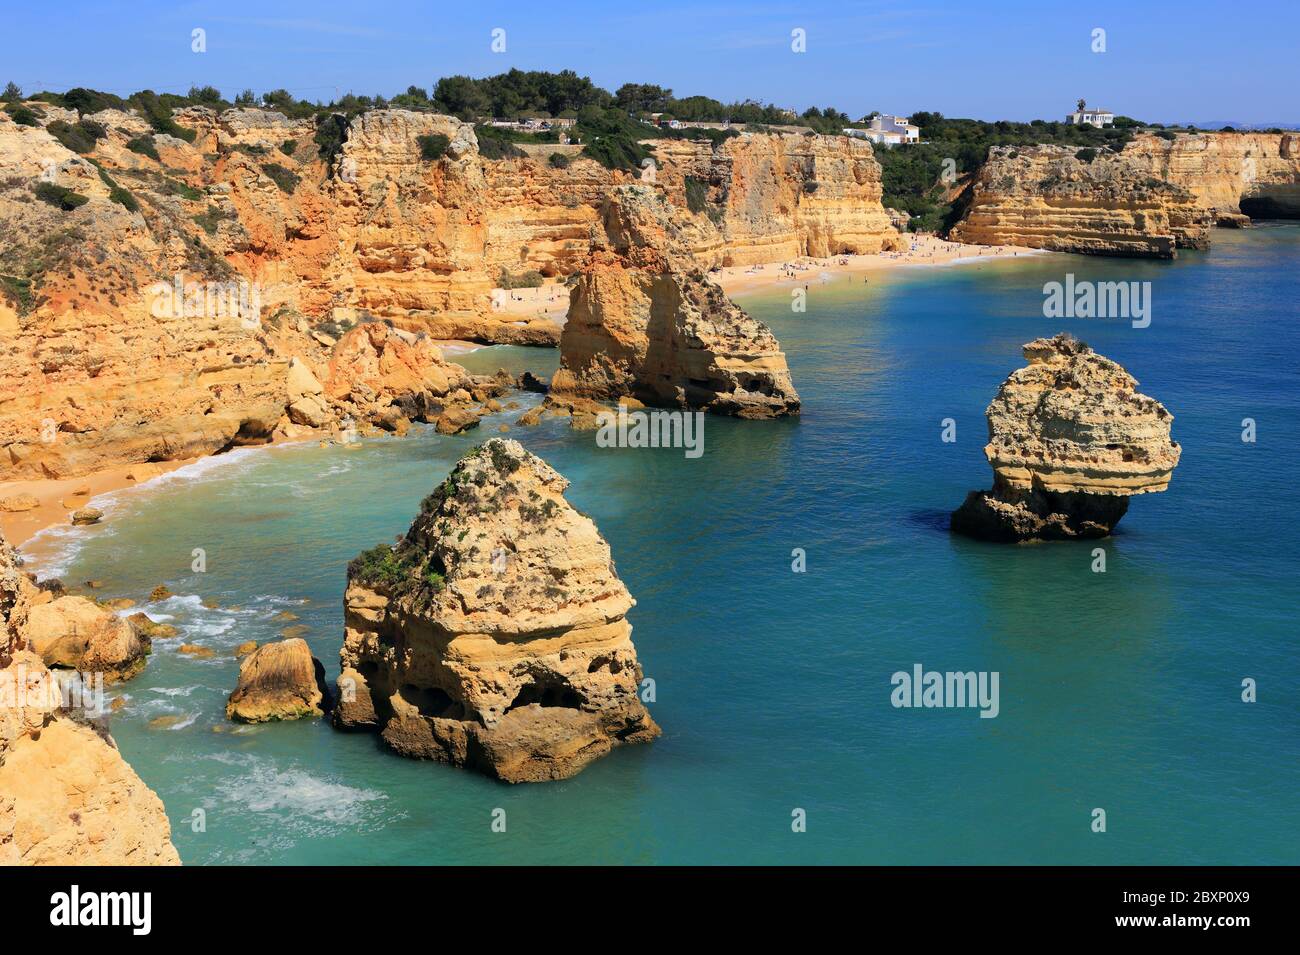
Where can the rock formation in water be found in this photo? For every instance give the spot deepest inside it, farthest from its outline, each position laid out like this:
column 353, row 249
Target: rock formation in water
column 1080, row 200
column 66, row 795
column 494, row 635
column 77, row 634
column 645, row 321
column 278, row 681
column 1070, row 440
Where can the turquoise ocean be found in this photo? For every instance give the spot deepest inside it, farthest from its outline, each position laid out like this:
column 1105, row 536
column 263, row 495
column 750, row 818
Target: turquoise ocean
column 1119, row 690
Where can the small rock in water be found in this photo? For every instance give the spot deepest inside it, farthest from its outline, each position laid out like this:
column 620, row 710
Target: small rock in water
column 194, row 650
column 87, row 515
column 151, row 628
column 164, row 722
column 297, row 630
column 161, row 592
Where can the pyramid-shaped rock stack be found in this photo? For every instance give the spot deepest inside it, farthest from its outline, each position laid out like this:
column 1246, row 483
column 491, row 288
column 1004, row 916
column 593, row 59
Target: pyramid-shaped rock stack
column 493, row 635
column 645, row 321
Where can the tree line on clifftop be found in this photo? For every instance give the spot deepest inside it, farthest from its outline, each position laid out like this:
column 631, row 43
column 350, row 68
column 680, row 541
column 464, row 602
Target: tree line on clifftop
column 613, row 127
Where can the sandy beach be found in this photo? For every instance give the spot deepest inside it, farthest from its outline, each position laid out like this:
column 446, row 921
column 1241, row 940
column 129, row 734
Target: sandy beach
column 925, row 250
column 57, row 499
column 546, row 301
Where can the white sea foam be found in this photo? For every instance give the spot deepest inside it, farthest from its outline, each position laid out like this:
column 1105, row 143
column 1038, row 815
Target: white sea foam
column 294, row 794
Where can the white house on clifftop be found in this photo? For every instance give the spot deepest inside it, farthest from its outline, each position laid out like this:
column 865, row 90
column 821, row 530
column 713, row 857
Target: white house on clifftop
column 1090, row 117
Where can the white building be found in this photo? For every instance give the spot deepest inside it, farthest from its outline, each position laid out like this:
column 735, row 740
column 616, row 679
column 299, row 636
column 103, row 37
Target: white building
column 896, row 125
column 1089, row 116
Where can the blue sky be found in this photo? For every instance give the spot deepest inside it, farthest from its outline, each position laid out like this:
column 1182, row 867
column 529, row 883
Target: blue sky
column 1164, row 61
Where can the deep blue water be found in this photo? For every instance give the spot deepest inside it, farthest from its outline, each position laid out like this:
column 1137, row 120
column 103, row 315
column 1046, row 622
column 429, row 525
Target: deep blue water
column 1119, row 691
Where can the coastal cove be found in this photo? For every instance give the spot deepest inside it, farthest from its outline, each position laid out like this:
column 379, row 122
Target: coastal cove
column 1118, row 690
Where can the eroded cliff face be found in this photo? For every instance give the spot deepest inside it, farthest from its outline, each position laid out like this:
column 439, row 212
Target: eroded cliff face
column 157, row 320
column 494, row 635
column 66, row 795
column 645, row 321
column 773, row 197
column 1047, row 197
column 1230, row 174
column 1070, row 440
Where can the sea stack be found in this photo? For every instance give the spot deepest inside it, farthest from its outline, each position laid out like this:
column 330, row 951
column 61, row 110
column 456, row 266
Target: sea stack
column 493, row 636
column 1070, row 441
column 278, row 681
column 645, row 321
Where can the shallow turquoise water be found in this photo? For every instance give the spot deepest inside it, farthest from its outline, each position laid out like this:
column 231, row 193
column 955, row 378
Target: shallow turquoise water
column 1118, row 690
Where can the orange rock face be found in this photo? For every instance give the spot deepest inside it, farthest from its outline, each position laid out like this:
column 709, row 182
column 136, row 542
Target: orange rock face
column 645, row 321
column 1048, row 197
column 66, row 795
column 157, row 319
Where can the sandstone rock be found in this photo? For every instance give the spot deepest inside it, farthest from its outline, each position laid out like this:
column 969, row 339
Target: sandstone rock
column 531, row 417
column 19, row 502
column 194, row 650
column 495, row 635
column 87, row 515
column 278, row 681
column 776, row 197
column 161, row 592
column 66, row 795
column 1046, row 197
column 76, row 633
column 149, row 629
column 456, row 419
column 1228, row 173
column 390, row 240
column 245, row 648
column 644, row 320
column 1070, row 441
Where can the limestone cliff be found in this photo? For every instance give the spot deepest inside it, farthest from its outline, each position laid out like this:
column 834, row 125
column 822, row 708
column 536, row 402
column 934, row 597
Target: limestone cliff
column 1056, row 197
column 154, row 292
column 1070, row 440
column 1233, row 176
column 646, row 322
column 775, row 197
column 66, row 795
column 494, row 635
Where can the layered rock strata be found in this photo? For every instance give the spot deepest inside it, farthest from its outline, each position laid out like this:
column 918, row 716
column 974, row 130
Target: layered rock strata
column 154, row 292
column 1232, row 175
column 493, row 636
column 645, row 321
column 66, row 795
column 1074, row 200
column 1070, row 440
column 772, row 197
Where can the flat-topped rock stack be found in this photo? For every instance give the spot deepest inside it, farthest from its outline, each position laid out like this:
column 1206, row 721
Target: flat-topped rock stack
column 1071, row 440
